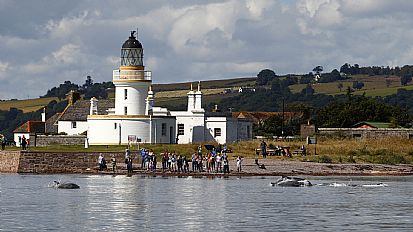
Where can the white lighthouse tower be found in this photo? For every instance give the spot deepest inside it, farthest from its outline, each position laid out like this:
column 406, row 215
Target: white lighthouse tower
column 133, row 119
column 131, row 80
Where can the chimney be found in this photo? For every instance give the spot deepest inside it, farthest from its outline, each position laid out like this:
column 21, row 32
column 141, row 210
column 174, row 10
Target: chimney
column 44, row 115
column 73, row 96
column 93, row 106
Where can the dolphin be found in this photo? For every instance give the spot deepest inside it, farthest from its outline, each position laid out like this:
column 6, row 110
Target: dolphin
column 286, row 181
column 65, row 185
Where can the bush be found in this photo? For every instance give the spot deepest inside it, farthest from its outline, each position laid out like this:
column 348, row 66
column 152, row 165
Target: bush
column 350, row 158
column 325, row 159
column 271, row 146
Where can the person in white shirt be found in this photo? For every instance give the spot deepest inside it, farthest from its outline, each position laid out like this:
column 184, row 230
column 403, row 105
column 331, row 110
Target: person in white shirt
column 219, row 163
column 239, row 163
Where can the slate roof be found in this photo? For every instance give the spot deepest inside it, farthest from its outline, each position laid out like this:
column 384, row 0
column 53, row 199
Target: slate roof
column 31, row 127
column 51, row 125
column 81, row 109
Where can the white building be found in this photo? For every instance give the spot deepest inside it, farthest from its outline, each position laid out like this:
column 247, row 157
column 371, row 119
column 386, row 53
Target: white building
column 133, row 117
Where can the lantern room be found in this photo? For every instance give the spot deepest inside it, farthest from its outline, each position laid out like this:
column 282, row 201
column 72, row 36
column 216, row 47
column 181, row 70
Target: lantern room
column 131, row 52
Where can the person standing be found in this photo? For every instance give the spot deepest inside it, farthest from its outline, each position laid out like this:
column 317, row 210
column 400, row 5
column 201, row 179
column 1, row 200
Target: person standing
column 194, row 162
column 264, row 149
column 3, row 143
column 239, row 163
column 113, row 161
column 127, row 155
column 226, row 165
column 100, row 161
column 129, row 166
column 219, row 163
column 24, row 142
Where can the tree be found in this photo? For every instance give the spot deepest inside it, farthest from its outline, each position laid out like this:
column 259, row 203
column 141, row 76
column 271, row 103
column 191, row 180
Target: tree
column 340, row 86
column 388, row 83
column 265, row 76
column 345, row 68
column 88, row 83
column 308, row 90
column 405, row 79
column 358, row 85
column 318, row 69
column 307, row 78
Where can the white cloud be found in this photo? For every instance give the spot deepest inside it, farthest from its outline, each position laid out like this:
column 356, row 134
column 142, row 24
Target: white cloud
column 197, row 40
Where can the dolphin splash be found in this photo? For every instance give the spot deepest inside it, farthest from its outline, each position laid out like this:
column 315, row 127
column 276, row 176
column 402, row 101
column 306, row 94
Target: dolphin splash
column 287, row 181
column 59, row 185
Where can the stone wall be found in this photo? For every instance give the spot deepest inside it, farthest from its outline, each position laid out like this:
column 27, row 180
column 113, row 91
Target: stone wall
column 368, row 133
column 56, row 162
column 9, row 161
column 47, row 140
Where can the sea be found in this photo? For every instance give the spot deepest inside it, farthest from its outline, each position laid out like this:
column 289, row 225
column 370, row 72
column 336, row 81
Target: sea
column 156, row 203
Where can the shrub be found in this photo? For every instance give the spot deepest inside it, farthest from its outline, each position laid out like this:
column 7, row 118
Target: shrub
column 350, row 158
column 325, row 159
column 271, row 146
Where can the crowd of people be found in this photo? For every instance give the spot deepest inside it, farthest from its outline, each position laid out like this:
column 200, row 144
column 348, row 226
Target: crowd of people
column 214, row 161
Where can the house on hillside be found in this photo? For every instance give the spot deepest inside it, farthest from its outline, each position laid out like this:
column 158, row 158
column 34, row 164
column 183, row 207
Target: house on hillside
column 246, row 89
column 372, row 125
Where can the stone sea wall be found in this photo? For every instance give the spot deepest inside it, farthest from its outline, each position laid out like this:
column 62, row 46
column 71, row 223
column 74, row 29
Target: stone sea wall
column 54, row 162
column 9, row 161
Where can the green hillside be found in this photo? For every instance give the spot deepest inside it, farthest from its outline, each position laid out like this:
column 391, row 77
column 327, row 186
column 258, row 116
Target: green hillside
column 373, row 86
column 27, row 105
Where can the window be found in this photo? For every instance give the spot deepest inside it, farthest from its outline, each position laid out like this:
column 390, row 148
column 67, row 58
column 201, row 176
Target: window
column 126, row 110
column 125, row 93
column 248, row 132
column 181, row 129
column 116, row 125
column 163, row 129
column 217, row 132
column 74, row 125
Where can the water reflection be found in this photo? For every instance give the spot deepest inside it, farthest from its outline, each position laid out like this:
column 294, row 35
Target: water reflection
column 120, row 203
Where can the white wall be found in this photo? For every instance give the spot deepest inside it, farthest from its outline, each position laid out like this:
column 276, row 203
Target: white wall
column 194, row 124
column 16, row 137
column 66, row 126
column 217, row 122
column 135, row 102
column 103, row 131
column 232, row 129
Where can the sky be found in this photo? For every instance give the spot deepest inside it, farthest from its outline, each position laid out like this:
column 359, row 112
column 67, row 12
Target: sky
column 46, row 42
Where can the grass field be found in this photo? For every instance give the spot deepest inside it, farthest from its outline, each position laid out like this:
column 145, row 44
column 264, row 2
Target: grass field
column 373, row 86
column 26, row 105
column 329, row 150
column 209, row 84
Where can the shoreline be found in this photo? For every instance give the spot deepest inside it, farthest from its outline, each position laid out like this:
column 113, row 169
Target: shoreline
column 273, row 167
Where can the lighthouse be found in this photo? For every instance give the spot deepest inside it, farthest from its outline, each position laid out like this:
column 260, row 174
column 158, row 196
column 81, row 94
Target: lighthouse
column 131, row 80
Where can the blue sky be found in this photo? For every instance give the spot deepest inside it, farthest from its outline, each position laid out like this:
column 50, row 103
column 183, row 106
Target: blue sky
column 43, row 43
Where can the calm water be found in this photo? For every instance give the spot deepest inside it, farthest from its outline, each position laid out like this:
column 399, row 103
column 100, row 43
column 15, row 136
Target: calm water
column 139, row 203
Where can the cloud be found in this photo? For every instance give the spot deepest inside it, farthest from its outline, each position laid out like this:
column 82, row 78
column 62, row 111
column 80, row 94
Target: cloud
column 54, row 41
